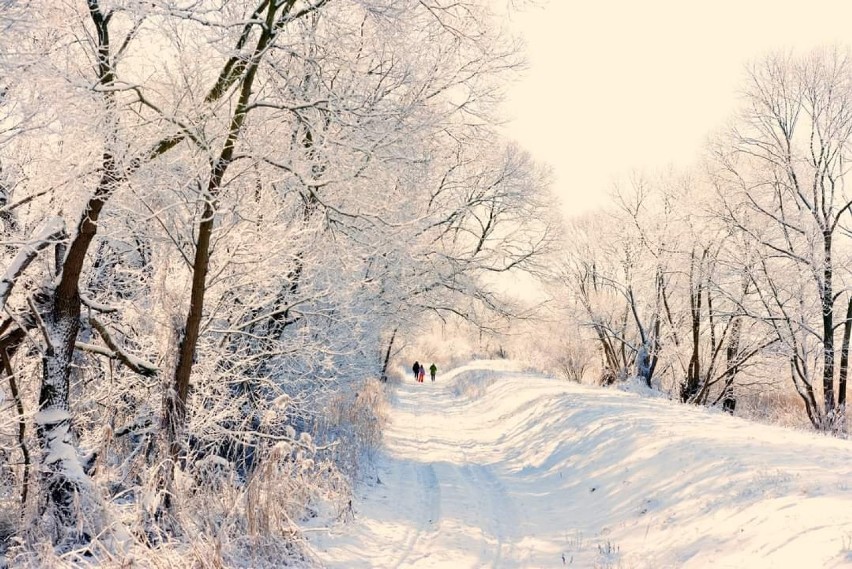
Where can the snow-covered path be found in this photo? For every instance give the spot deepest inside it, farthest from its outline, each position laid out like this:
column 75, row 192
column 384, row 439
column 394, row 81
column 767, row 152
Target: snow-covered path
column 491, row 467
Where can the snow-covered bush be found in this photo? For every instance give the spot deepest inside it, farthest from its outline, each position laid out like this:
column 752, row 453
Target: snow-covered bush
column 355, row 424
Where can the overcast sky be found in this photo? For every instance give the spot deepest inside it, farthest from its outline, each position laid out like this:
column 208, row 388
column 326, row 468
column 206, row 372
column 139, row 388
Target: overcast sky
column 621, row 85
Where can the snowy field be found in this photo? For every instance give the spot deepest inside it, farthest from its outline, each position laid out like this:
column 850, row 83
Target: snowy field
column 493, row 467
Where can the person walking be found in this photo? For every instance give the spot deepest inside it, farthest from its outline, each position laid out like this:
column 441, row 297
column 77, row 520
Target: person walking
column 416, row 369
column 433, row 369
column 422, row 373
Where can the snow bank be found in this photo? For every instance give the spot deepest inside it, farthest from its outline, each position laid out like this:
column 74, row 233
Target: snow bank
column 542, row 473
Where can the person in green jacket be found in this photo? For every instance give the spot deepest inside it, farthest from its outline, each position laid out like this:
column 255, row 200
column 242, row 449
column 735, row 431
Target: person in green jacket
column 433, row 369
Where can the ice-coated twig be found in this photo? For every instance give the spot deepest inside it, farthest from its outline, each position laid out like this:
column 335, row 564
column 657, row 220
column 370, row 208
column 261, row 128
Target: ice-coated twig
column 52, row 231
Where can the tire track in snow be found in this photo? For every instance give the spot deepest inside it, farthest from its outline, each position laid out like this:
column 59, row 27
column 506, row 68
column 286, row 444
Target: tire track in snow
column 451, row 507
column 422, row 477
column 429, row 490
column 498, row 515
column 473, row 492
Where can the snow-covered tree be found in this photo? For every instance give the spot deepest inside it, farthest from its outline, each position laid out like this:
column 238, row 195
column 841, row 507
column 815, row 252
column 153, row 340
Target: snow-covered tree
column 221, row 211
column 781, row 173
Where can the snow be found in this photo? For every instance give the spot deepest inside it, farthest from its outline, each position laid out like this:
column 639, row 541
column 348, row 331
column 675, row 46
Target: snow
column 62, row 451
column 141, row 364
column 51, row 416
column 98, row 306
column 51, row 230
column 494, row 467
column 282, row 401
column 214, row 460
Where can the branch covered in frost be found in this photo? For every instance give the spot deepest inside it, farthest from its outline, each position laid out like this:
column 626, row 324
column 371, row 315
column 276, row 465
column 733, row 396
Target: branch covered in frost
column 52, row 231
column 97, row 306
column 114, row 351
column 303, row 441
column 134, row 427
column 40, row 322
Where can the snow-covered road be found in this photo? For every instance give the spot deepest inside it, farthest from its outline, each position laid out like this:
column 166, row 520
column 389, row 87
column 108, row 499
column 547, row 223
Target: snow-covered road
column 491, row 467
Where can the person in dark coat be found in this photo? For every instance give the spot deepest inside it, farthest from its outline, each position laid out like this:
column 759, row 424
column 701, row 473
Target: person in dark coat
column 416, row 369
column 433, row 369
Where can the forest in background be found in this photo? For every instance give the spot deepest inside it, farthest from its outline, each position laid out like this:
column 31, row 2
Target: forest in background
column 728, row 283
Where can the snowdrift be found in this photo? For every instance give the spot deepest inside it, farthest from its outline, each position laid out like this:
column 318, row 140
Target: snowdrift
column 495, row 467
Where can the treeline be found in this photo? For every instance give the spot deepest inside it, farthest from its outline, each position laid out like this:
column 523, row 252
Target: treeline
column 715, row 283
column 220, row 220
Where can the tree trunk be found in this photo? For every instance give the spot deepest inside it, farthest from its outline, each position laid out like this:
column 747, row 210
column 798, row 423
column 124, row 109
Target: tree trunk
column 655, row 352
column 691, row 386
column 384, row 375
column 844, row 367
column 828, row 334
column 61, row 471
column 175, row 401
column 729, row 401
column 11, row 345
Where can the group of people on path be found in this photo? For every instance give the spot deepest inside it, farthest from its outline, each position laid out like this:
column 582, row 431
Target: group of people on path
column 420, row 371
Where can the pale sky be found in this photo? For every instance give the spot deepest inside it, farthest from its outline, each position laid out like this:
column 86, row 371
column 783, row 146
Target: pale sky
column 617, row 86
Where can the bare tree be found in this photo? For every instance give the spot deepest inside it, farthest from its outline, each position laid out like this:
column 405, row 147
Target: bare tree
column 782, row 179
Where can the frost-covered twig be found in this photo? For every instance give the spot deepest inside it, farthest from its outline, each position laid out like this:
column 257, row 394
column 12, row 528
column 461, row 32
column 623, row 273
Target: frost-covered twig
column 114, row 351
column 133, row 427
column 97, row 306
column 24, row 328
column 40, row 322
column 286, row 439
column 53, row 230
